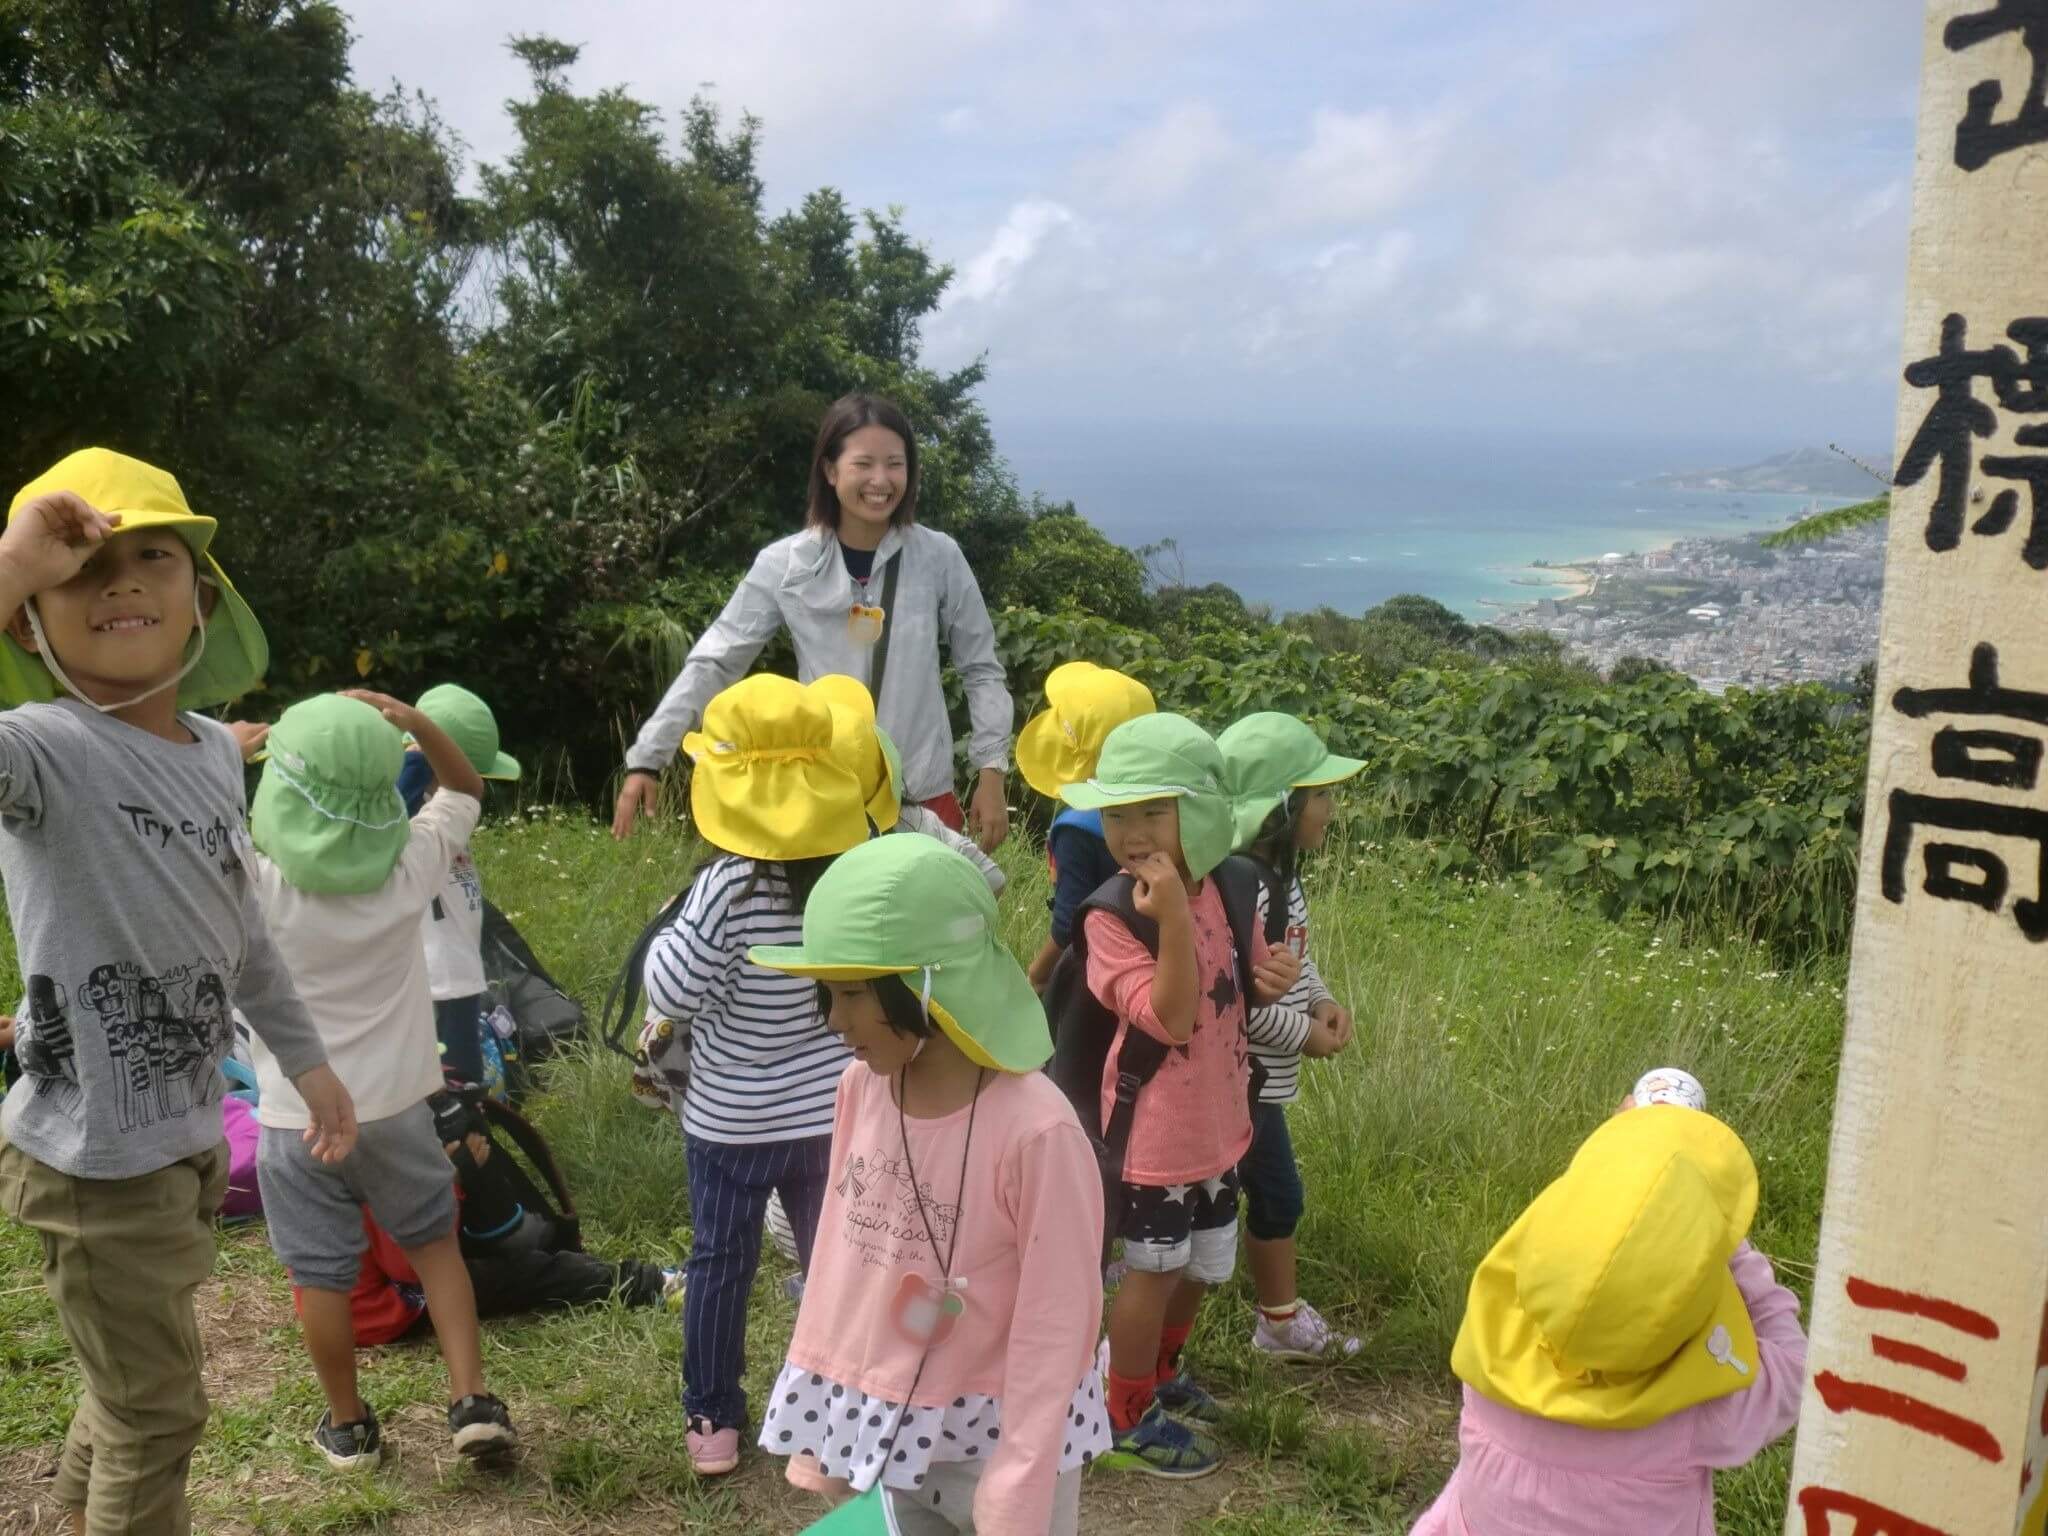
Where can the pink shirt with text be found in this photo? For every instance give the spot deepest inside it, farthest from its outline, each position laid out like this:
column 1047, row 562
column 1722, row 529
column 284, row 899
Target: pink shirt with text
column 1024, row 1231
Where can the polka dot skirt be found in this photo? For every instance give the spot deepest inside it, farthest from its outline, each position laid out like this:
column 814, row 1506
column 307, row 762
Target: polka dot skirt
column 848, row 1431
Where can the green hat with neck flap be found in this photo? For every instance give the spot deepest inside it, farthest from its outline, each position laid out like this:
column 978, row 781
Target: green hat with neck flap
column 1165, row 757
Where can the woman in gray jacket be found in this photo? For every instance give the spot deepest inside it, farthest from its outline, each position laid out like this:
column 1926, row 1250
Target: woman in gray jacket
column 863, row 589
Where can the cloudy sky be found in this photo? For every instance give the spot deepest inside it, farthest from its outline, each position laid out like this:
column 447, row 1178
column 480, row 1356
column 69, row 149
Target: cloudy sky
column 1668, row 216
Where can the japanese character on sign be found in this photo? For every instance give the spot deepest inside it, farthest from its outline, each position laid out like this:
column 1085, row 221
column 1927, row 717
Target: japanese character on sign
column 1819, row 1506
column 2008, row 760
column 1957, row 415
column 1879, row 1401
column 1980, row 138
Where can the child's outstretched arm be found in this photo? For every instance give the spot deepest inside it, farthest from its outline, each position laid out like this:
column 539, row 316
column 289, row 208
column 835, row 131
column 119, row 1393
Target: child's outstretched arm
column 1732, row 1429
column 452, row 770
column 1055, row 1194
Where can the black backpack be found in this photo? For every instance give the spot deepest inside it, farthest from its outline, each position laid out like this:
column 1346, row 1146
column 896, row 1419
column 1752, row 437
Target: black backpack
column 1083, row 1030
column 547, row 1016
column 532, row 1181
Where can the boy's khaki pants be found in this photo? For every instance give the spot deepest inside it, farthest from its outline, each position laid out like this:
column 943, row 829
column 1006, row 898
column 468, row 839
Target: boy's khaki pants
column 121, row 1259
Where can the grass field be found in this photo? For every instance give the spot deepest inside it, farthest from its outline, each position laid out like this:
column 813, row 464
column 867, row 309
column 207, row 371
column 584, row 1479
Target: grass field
column 1496, row 1026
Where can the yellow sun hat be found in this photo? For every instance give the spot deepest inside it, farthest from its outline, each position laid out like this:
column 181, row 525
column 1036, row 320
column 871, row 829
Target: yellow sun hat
column 859, row 742
column 1609, row 1304
column 230, row 654
column 1060, row 745
column 912, row 907
column 766, row 783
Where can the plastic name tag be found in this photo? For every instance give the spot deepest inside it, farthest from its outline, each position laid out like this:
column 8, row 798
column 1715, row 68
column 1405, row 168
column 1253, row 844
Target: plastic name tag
column 864, row 624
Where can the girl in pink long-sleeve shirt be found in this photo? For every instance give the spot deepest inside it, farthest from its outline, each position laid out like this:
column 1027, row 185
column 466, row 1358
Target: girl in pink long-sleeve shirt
column 944, row 1356
column 1621, row 1342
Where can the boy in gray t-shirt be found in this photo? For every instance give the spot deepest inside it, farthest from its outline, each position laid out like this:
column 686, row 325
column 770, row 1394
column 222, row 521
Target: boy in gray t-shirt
column 122, row 841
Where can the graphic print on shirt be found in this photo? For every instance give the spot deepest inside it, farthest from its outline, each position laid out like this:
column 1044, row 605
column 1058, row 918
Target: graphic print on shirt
column 462, row 872
column 883, row 1223
column 163, row 1035
column 43, row 1046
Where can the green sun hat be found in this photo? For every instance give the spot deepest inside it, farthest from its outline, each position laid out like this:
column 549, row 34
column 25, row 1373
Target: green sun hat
column 894, row 759
column 471, row 726
column 912, row 907
column 1165, row 757
column 1267, row 756
column 327, row 811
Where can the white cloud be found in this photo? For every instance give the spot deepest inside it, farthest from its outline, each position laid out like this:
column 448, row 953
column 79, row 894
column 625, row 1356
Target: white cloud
column 1186, row 149
column 1141, row 200
column 1356, row 166
column 991, row 271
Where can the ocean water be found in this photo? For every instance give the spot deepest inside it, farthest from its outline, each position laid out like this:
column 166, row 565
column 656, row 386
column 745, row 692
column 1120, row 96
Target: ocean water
column 1300, row 518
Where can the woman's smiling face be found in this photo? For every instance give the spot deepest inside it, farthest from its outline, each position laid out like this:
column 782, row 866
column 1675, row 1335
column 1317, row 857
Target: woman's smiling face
column 871, row 475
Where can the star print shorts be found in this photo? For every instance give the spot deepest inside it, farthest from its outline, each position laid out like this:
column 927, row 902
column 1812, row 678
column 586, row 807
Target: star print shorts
column 1191, row 1227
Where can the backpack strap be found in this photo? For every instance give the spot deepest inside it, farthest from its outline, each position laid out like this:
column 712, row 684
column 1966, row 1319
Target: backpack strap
column 879, row 662
column 503, row 1117
column 1238, row 881
column 1139, row 1058
column 622, row 1001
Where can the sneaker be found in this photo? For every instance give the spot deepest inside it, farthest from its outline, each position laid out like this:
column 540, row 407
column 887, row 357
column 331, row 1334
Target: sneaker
column 481, row 1427
column 1186, row 1401
column 1160, row 1446
column 672, row 1289
column 713, row 1452
column 1306, row 1338
column 348, row 1447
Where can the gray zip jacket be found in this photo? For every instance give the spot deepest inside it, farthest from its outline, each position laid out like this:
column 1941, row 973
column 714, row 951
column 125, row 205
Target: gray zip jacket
column 800, row 583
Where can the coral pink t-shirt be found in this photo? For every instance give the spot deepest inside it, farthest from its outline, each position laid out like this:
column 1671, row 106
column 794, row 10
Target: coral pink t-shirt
column 1192, row 1120
column 1025, row 1237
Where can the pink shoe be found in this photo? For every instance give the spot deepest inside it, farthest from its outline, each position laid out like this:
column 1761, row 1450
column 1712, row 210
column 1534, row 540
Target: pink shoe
column 713, row 1452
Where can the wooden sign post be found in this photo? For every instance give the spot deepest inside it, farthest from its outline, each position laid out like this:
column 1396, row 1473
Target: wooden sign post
column 1922, row 1416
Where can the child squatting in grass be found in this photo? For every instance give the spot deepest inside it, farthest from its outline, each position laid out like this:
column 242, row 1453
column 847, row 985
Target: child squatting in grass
column 125, row 857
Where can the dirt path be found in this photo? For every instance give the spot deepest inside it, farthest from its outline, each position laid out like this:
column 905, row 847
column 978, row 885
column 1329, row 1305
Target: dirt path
column 247, row 1323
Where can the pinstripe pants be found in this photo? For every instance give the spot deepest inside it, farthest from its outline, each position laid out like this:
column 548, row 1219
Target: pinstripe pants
column 729, row 1189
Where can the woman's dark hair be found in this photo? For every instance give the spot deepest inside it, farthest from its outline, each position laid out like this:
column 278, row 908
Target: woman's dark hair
column 900, row 1006
column 846, row 417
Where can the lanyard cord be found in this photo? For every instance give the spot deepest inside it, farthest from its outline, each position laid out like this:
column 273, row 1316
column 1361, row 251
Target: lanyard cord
column 952, row 1248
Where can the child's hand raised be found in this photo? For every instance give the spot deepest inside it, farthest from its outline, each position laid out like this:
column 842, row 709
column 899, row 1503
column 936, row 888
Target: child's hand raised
column 397, row 711
column 249, row 736
column 1274, row 977
column 49, row 539
column 1159, row 891
column 6, row 1032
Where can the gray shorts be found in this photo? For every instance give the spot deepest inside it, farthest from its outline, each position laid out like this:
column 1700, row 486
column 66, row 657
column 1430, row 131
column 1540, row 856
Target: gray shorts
column 315, row 1210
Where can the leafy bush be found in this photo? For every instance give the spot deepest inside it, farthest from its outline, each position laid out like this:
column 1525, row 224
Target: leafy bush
column 1654, row 795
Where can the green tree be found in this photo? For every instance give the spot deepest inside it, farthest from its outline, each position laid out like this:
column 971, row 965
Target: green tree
column 1066, row 565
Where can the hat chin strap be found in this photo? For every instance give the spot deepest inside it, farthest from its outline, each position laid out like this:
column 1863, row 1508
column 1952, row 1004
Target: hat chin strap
column 49, row 656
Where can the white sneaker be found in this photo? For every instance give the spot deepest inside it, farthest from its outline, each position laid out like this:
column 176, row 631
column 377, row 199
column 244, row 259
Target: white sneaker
column 1304, row 1337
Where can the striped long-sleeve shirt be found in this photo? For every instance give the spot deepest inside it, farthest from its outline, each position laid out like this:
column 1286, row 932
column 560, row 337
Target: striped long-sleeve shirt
column 1278, row 1033
column 763, row 1067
